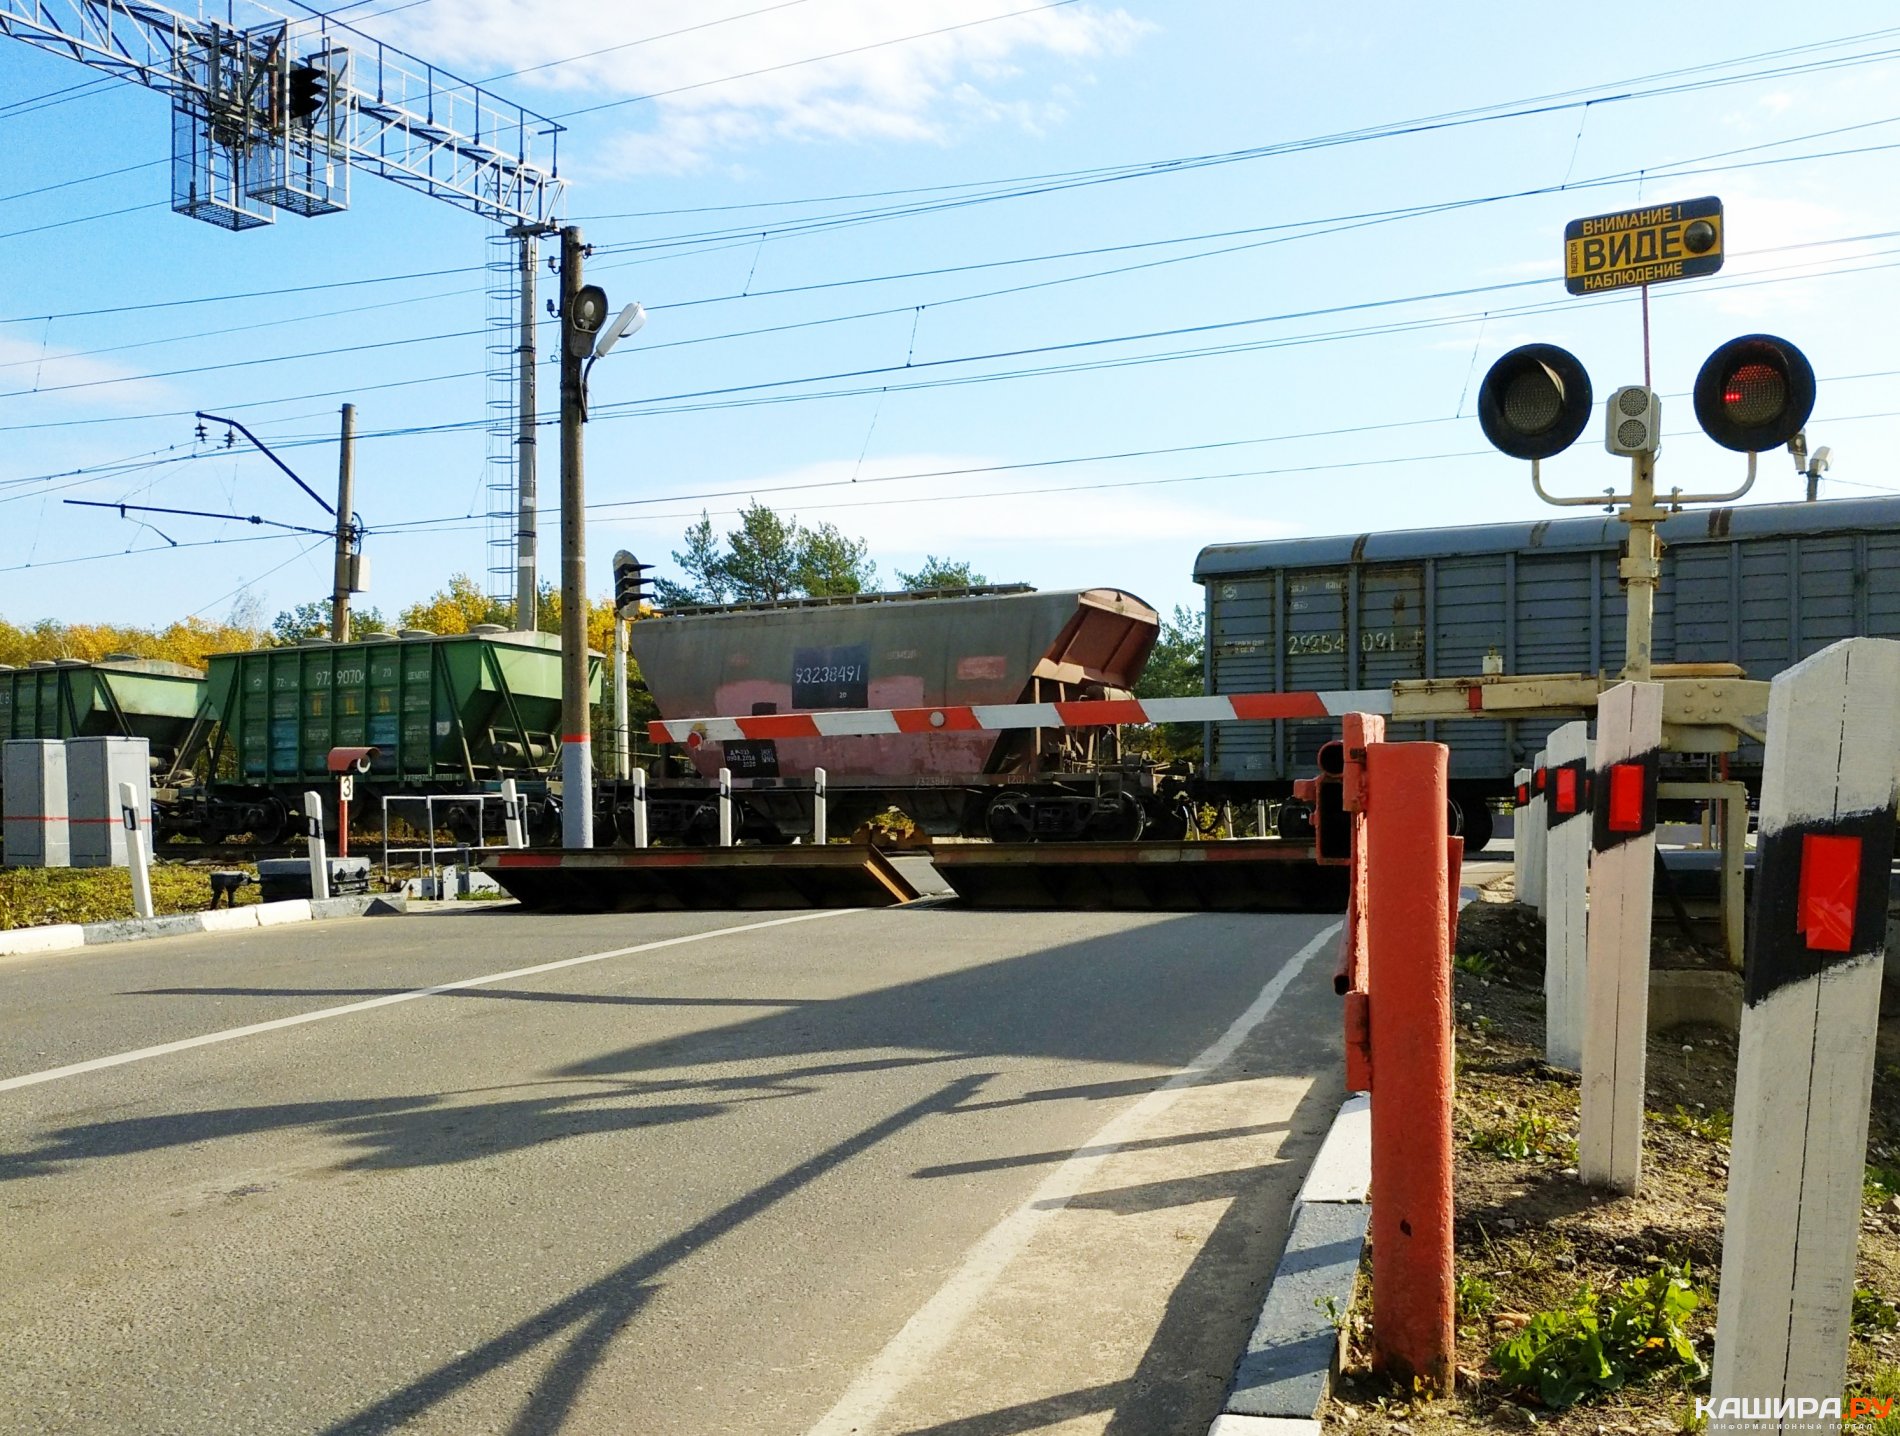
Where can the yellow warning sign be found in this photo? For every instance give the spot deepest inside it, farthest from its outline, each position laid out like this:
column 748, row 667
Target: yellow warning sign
column 1643, row 246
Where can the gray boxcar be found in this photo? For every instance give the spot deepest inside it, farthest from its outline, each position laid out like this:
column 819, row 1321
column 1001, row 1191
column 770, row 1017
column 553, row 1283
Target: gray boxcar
column 1762, row 586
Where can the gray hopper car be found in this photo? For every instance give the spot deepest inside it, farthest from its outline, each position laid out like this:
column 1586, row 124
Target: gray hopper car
column 1762, row 586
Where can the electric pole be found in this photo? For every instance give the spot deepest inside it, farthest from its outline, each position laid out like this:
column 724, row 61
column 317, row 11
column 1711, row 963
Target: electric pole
column 577, row 757
column 345, row 530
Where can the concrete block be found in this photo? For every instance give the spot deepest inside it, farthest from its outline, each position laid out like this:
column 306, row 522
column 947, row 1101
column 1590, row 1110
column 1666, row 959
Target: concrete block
column 1292, row 1356
column 50, row 938
column 227, row 919
column 362, row 905
column 274, row 914
column 1232, row 1425
column 1678, row 995
column 1342, row 1172
column 131, row 929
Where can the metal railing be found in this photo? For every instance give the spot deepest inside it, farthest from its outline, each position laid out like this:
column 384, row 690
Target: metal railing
column 429, row 855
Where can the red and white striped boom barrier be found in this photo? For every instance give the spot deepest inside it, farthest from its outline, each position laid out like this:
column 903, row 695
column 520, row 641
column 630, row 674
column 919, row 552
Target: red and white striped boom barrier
column 1001, row 717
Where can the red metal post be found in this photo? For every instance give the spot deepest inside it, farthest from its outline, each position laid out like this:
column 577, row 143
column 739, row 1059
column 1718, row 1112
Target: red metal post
column 1409, row 977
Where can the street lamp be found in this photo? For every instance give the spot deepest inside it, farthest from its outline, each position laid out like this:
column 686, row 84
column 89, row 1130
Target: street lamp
column 583, row 312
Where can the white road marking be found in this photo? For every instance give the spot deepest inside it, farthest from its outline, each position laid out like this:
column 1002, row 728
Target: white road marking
column 930, row 1329
column 231, row 1034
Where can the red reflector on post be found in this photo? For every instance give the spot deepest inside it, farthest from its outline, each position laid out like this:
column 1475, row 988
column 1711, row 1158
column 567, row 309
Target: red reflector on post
column 1829, row 893
column 1626, row 797
column 1523, row 795
column 1540, row 779
column 1567, row 799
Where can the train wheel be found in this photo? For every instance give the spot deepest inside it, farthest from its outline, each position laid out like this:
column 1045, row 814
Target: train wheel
column 462, row 823
column 1123, row 825
column 1011, row 818
column 1478, row 824
column 1167, row 820
column 1295, row 823
column 273, row 823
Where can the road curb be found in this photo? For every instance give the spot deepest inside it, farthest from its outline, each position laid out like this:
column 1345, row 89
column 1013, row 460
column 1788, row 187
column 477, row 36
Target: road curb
column 58, row 937
column 1287, row 1370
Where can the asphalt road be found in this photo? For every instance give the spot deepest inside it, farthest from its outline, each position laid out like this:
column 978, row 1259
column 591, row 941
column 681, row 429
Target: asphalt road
column 920, row 1170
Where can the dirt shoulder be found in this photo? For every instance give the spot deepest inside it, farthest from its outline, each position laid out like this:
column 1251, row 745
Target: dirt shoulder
column 1531, row 1238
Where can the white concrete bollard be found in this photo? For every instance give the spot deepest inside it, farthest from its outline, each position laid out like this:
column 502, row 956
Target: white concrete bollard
column 725, row 807
column 135, row 856
column 319, row 858
column 1566, row 808
column 513, row 822
column 820, row 829
column 639, row 807
column 1616, row 969
column 1805, row 1070
column 1520, row 833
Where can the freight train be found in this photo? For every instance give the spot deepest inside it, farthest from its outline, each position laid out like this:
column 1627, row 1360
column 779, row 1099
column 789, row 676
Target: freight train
column 234, row 749
column 1762, row 586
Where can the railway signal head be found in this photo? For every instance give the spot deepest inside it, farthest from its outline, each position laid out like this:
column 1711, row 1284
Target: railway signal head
column 1534, row 402
column 1754, row 393
column 630, row 584
column 308, row 87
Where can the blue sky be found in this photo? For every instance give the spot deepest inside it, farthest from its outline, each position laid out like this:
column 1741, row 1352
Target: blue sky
column 1307, row 357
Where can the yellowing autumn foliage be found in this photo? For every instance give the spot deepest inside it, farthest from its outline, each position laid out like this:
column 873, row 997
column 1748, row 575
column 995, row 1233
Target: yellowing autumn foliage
column 189, row 641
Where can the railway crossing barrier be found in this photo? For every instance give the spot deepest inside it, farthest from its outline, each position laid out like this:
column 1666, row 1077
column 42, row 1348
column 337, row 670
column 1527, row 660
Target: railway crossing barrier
column 1616, row 983
column 1395, row 973
column 1812, row 988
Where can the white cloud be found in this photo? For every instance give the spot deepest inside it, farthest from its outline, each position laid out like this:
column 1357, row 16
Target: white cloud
column 923, row 90
column 49, row 372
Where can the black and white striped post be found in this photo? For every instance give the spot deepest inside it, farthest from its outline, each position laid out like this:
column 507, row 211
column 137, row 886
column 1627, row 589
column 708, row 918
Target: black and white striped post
column 136, row 858
column 639, row 801
column 1566, row 882
column 725, row 807
column 820, row 816
column 1616, row 978
column 1812, row 986
column 1536, row 837
column 319, row 857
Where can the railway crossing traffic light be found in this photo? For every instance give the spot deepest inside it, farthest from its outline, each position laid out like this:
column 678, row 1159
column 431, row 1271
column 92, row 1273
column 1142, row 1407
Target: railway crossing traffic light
column 1535, row 401
column 630, row 584
column 308, row 88
column 1754, row 393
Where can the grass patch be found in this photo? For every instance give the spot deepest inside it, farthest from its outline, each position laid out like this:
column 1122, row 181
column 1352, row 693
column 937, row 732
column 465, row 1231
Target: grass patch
column 1474, row 964
column 1597, row 1344
column 31, row 897
column 1529, row 1137
column 1717, row 1126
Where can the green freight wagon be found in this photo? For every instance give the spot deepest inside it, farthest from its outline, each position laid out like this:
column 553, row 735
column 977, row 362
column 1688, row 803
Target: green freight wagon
column 118, row 697
column 449, row 712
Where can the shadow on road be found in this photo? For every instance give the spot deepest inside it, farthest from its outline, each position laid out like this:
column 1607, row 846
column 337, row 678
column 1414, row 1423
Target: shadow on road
column 1098, row 1000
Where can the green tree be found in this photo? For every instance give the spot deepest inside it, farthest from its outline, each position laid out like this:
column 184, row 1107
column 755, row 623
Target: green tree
column 941, row 573
column 312, row 620
column 829, row 564
column 704, row 566
column 767, row 557
column 761, row 563
column 1176, row 669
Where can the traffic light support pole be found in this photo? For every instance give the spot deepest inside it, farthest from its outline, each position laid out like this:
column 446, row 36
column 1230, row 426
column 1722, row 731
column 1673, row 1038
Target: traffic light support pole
column 622, row 746
column 577, row 755
column 345, row 529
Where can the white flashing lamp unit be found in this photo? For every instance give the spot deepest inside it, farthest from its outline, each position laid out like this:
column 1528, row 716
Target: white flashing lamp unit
column 1633, row 422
